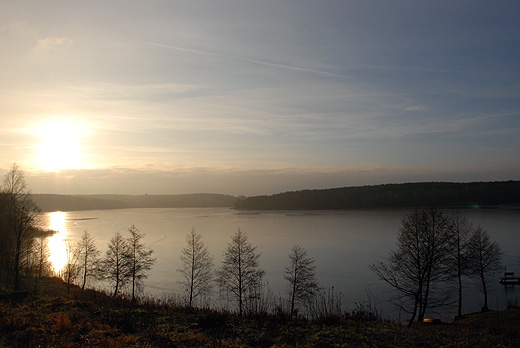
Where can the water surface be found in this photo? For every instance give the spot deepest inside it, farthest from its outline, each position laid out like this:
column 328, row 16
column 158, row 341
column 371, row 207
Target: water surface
column 344, row 244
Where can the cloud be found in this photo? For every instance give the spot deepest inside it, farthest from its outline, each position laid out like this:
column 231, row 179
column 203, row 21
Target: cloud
column 113, row 91
column 250, row 60
column 243, row 181
column 416, row 108
column 51, row 43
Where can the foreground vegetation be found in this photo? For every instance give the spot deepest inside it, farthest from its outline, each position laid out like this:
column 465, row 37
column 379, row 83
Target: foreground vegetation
column 55, row 318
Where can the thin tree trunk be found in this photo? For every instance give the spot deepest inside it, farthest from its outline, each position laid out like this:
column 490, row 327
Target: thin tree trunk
column 484, row 288
column 133, row 284
column 459, row 275
column 414, row 313
column 17, row 265
column 192, row 270
column 292, row 300
column 424, row 301
column 240, row 302
column 117, row 285
column 84, row 272
column 459, row 311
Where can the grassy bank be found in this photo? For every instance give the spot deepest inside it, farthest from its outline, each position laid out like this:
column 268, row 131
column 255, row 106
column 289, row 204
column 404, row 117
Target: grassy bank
column 57, row 317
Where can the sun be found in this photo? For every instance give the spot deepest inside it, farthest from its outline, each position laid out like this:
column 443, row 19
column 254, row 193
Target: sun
column 59, row 145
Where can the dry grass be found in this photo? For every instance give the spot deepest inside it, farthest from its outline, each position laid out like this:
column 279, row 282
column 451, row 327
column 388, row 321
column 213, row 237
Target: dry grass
column 57, row 317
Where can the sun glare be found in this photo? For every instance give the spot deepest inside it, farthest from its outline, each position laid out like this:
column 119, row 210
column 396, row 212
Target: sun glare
column 58, row 242
column 59, row 145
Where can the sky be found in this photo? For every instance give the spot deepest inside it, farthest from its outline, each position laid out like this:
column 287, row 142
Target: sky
column 257, row 97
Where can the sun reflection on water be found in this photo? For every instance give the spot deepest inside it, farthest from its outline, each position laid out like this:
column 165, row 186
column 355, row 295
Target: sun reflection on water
column 58, row 242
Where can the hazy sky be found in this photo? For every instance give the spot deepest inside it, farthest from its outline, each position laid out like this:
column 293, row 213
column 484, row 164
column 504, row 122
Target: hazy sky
column 257, row 97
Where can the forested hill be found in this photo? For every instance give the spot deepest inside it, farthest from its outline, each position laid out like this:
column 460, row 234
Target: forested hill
column 411, row 195
column 51, row 202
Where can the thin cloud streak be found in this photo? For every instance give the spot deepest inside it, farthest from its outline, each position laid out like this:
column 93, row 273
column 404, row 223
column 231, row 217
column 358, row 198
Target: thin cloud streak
column 249, row 60
column 111, row 91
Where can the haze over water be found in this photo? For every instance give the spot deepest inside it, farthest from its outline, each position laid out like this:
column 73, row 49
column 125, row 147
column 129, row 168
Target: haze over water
column 344, row 244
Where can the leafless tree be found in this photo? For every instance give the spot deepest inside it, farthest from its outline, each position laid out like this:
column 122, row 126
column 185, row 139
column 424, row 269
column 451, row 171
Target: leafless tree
column 5, row 246
column 88, row 257
column 419, row 264
column 485, row 257
column 22, row 220
column 40, row 264
column 240, row 273
column 71, row 270
column 197, row 267
column 138, row 258
column 115, row 265
column 460, row 230
column 301, row 275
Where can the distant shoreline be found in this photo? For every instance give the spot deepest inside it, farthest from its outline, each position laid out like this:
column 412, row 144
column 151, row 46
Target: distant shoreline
column 55, row 202
column 395, row 196
column 445, row 195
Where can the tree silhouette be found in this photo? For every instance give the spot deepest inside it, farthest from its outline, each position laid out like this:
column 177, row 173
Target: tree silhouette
column 139, row 259
column 88, row 257
column 71, row 269
column 197, row 267
column 21, row 216
column 301, row 275
column 485, row 257
column 240, row 273
column 115, row 264
column 460, row 229
column 420, row 262
column 41, row 258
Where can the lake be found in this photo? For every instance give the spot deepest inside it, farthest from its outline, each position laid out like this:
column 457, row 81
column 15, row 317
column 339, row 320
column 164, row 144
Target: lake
column 343, row 243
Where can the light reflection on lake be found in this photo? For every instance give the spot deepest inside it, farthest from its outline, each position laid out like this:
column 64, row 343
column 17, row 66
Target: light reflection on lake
column 57, row 243
column 344, row 244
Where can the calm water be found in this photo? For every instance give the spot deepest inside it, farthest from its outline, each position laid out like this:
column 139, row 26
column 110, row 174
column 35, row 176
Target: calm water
column 343, row 243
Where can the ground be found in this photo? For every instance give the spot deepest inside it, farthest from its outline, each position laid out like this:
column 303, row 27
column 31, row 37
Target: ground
column 58, row 316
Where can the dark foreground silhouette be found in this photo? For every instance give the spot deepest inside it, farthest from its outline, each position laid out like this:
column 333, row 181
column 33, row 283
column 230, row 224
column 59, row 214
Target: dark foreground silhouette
column 55, row 317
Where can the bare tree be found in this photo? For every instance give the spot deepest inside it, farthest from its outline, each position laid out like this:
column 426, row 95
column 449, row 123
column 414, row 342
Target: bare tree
column 88, row 257
column 22, row 218
column 5, row 246
column 40, row 264
column 485, row 257
column 138, row 258
column 301, row 275
column 419, row 264
column 197, row 267
column 71, row 270
column 115, row 264
column 240, row 273
column 459, row 229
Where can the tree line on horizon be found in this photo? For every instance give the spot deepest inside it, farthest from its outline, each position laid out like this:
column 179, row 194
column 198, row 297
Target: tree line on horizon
column 433, row 249
column 57, row 202
column 408, row 195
